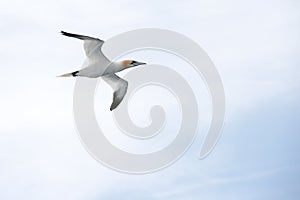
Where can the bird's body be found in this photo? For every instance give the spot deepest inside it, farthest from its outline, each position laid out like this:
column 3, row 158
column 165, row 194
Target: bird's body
column 98, row 65
column 93, row 68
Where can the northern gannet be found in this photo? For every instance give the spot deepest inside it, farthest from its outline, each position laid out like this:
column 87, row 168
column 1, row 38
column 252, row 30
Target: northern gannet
column 98, row 65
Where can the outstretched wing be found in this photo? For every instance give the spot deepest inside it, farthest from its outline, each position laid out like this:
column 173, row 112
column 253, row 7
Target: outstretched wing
column 119, row 86
column 92, row 46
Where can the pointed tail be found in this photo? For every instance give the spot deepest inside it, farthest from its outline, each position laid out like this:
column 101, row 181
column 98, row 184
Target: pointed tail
column 72, row 74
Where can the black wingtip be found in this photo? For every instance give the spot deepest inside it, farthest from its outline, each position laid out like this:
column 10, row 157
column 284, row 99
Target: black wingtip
column 75, row 73
column 64, row 33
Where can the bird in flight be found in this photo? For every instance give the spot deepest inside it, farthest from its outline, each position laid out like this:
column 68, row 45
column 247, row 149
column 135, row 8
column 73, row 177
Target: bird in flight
column 98, row 65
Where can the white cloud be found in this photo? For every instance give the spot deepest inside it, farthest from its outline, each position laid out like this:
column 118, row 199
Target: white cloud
column 254, row 44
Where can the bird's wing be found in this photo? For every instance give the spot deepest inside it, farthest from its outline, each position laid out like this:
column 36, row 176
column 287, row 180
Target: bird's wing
column 92, row 46
column 119, row 86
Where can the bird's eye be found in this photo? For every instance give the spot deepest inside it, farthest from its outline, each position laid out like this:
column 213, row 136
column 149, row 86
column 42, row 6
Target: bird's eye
column 133, row 62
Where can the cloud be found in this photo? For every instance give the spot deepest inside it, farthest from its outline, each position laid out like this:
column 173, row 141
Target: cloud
column 254, row 45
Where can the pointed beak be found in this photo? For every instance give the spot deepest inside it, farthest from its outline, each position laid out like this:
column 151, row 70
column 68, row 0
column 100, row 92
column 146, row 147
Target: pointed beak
column 141, row 63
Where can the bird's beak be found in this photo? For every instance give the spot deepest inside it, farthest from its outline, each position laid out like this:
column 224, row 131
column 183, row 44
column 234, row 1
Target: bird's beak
column 140, row 63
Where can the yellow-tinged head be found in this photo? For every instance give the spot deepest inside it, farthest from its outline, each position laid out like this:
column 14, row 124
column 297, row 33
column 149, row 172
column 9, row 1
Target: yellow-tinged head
column 131, row 63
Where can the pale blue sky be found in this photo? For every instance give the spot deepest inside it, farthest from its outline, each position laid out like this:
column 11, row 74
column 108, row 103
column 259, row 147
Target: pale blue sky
column 255, row 46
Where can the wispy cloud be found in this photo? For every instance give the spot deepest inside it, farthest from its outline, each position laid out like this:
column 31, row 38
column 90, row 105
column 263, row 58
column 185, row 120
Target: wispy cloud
column 254, row 45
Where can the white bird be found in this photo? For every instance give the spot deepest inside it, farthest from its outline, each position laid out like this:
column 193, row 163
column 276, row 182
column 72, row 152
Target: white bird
column 97, row 65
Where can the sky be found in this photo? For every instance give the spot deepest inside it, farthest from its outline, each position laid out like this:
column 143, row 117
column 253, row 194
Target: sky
column 255, row 46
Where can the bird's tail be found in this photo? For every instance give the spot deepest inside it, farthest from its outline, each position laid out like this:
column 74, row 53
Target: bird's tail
column 72, row 74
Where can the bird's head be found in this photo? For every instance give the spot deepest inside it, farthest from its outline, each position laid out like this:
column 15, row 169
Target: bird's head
column 131, row 63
